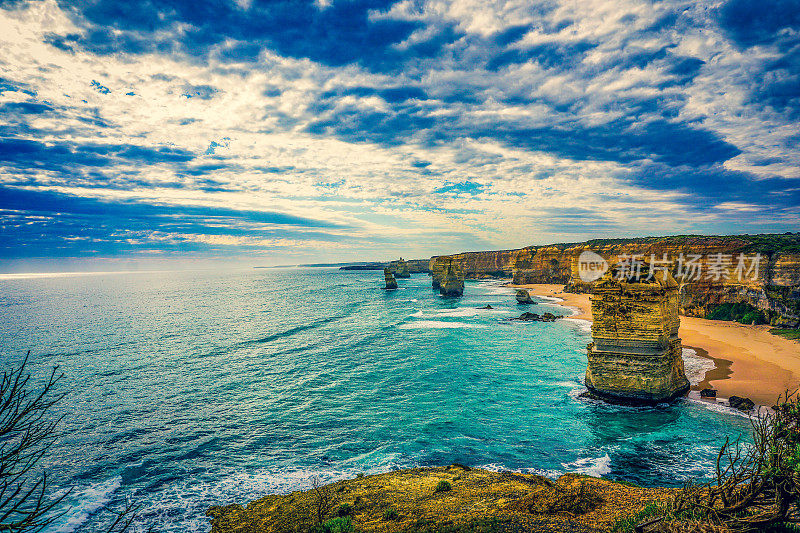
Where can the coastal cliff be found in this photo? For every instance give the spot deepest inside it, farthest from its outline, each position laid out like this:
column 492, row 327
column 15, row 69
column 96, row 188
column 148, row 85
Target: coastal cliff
column 774, row 289
column 452, row 498
column 480, row 265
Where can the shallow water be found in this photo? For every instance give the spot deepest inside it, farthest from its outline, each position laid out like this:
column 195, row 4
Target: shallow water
column 192, row 389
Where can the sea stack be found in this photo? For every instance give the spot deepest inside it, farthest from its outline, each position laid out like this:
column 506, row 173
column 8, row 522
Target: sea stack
column 391, row 283
column 437, row 268
column 400, row 268
column 451, row 282
column 524, row 297
column 635, row 353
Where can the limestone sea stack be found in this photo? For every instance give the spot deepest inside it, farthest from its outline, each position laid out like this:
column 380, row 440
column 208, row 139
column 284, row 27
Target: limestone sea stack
column 400, row 268
column 451, row 282
column 391, row 283
column 524, row 297
column 635, row 353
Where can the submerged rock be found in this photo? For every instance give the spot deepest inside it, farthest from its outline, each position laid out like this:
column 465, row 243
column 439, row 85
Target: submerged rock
column 533, row 317
column 635, row 353
column 708, row 393
column 742, row 404
column 391, row 283
column 487, row 306
column 524, row 297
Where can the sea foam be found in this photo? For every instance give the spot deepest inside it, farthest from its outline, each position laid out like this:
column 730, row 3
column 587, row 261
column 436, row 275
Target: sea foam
column 591, row 466
column 87, row 502
column 438, row 324
column 696, row 366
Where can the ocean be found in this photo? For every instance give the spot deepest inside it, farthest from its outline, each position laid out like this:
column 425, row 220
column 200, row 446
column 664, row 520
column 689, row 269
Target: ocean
column 199, row 388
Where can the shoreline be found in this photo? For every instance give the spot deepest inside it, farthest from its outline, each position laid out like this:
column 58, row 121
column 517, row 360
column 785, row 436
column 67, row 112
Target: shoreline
column 750, row 362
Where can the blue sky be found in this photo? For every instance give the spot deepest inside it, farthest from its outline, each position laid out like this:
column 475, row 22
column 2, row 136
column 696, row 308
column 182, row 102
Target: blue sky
column 292, row 131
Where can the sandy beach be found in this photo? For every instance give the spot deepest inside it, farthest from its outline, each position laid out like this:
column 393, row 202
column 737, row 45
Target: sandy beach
column 751, row 362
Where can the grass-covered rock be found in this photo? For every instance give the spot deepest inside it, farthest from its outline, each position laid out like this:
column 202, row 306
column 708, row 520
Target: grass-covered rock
column 480, row 501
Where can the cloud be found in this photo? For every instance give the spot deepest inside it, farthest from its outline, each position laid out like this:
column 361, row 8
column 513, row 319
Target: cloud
column 427, row 126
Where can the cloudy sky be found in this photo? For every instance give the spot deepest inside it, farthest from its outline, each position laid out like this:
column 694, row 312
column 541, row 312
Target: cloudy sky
column 291, row 131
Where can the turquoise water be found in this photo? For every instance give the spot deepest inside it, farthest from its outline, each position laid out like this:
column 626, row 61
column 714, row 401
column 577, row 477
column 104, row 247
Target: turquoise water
column 192, row 389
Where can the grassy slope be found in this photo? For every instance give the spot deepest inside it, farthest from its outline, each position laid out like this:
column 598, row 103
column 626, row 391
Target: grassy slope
column 480, row 500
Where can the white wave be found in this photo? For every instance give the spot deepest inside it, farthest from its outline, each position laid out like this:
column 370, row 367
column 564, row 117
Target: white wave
column 719, row 406
column 181, row 508
column 87, row 502
column 584, row 326
column 437, row 324
column 460, row 312
column 495, row 288
column 696, row 366
column 496, row 467
column 576, row 394
column 553, row 299
column 591, row 466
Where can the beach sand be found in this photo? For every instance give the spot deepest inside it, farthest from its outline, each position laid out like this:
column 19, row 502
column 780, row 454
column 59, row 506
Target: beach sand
column 751, row 362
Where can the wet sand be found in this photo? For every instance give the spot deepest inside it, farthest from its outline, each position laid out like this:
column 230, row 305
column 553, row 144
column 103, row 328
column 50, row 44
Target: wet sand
column 751, row 362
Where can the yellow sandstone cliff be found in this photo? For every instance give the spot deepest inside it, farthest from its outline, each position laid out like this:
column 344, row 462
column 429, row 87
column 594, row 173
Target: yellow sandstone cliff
column 635, row 354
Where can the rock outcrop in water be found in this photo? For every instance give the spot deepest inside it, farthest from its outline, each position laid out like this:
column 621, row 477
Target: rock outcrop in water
column 524, row 297
column 391, row 283
column 451, row 280
column 635, row 353
column 400, row 268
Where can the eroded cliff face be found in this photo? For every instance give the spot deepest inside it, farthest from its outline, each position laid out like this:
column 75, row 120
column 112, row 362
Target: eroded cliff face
column 635, row 354
column 480, row 265
column 541, row 264
column 774, row 288
column 400, row 268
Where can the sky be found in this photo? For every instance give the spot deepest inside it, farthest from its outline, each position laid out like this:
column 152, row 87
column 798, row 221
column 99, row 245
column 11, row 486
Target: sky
column 163, row 132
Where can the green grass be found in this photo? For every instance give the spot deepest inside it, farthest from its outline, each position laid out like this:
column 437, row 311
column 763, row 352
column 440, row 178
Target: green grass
column 787, row 333
column 649, row 511
column 390, row 514
column 342, row 524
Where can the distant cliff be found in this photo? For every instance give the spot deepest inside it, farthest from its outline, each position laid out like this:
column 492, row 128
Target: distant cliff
column 479, row 265
column 775, row 290
column 415, row 266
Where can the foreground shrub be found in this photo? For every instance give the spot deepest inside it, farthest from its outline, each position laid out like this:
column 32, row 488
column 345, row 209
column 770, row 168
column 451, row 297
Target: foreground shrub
column 576, row 499
column 344, row 509
column 743, row 313
column 757, row 487
column 443, row 486
column 341, row 524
